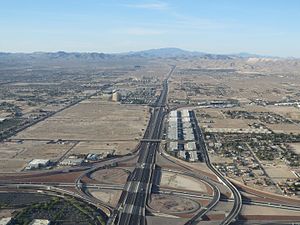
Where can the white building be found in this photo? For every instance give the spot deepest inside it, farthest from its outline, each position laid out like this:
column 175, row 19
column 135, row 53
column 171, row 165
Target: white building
column 39, row 222
column 173, row 146
column 72, row 162
column 37, row 163
column 185, row 113
column 190, row 146
column 173, row 114
column 5, row 221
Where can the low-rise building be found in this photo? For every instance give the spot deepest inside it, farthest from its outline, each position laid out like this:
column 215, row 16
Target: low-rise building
column 40, row 222
column 173, row 146
column 37, row 163
column 72, row 162
column 5, row 221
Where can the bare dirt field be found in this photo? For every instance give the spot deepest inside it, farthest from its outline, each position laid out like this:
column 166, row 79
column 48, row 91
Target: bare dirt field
column 252, row 210
column 172, row 204
column 104, row 147
column 279, row 172
column 115, row 176
column 154, row 220
column 97, row 126
column 14, row 156
column 111, row 197
column 92, row 119
column 179, row 181
column 288, row 111
column 296, row 147
column 12, row 165
column 284, row 128
column 230, row 123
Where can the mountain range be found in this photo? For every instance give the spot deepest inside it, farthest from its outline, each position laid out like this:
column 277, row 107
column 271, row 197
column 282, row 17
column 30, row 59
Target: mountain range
column 151, row 53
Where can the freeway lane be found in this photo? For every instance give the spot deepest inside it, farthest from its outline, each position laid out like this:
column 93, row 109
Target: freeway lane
column 133, row 200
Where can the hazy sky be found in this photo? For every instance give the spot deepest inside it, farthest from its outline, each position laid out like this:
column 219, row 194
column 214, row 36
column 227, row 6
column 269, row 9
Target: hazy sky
column 270, row 27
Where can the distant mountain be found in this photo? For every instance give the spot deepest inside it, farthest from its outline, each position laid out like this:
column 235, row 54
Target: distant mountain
column 55, row 55
column 165, row 53
column 250, row 55
column 95, row 56
column 174, row 53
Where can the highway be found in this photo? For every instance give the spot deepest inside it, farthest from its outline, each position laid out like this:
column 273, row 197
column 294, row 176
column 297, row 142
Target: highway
column 131, row 207
column 216, row 192
column 57, row 187
column 237, row 204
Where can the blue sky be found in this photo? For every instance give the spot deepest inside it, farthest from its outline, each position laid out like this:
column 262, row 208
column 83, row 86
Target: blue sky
column 270, row 27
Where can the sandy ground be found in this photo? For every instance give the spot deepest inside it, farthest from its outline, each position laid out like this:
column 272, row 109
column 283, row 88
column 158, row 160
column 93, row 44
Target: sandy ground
column 118, row 147
column 288, row 111
column 6, row 213
column 115, row 176
column 173, row 204
column 296, row 147
column 14, row 156
column 110, row 197
column 92, row 119
column 284, row 128
column 100, row 126
column 12, row 165
column 231, row 123
column 279, row 172
column 179, row 181
column 154, row 220
column 254, row 210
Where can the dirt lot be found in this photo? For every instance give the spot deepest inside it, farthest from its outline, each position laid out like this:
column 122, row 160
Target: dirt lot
column 279, row 172
column 116, row 147
column 15, row 156
column 12, row 165
column 111, row 197
column 284, row 128
column 172, row 204
column 296, row 147
column 100, row 126
column 92, row 119
column 179, row 181
column 288, row 111
column 115, row 176
column 252, row 210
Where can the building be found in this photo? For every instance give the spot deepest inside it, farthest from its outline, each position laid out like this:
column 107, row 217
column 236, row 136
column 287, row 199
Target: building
column 2, row 119
column 37, row 163
column 190, row 146
column 39, row 222
column 193, row 156
column 173, row 114
column 72, row 162
column 185, row 113
column 5, row 221
column 92, row 157
column 173, row 146
column 116, row 96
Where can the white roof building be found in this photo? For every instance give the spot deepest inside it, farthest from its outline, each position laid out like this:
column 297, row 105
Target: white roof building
column 5, row 221
column 185, row 113
column 39, row 222
column 173, row 114
column 190, row 146
column 173, row 146
column 37, row 163
column 72, row 162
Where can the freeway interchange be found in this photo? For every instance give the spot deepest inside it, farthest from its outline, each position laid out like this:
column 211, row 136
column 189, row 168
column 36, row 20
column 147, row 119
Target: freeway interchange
column 143, row 181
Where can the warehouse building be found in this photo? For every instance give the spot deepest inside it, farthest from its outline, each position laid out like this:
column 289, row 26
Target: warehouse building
column 39, row 222
column 37, row 163
column 173, row 146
